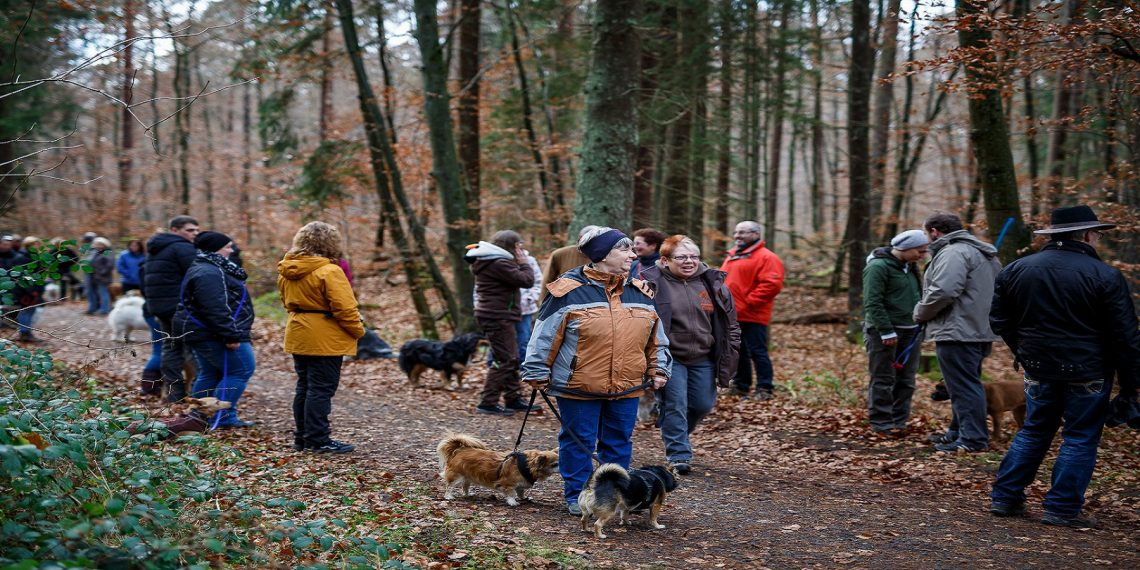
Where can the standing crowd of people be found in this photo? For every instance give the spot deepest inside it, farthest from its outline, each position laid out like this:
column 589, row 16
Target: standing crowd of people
column 615, row 318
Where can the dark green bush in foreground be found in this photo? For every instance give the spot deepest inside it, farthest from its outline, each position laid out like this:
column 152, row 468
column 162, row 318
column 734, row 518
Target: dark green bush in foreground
column 80, row 488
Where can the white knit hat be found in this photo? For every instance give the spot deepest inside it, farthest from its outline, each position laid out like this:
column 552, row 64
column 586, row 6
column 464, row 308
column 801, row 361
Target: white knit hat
column 909, row 239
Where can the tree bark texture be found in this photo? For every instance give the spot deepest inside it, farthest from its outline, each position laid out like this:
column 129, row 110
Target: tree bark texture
column 457, row 207
column 725, row 124
column 884, row 98
column 609, row 145
column 470, row 26
column 858, row 234
column 779, row 42
column 127, row 133
column 990, row 137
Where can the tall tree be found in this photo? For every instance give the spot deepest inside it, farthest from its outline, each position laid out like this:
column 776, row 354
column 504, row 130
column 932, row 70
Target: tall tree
column 881, row 120
column 858, row 234
column 127, row 124
column 779, row 47
column 470, row 21
column 457, row 206
column 988, row 131
column 609, row 143
column 728, row 24
column 688, row 86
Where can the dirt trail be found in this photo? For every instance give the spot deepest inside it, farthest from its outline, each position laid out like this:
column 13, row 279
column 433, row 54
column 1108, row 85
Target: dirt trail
column 758, row 496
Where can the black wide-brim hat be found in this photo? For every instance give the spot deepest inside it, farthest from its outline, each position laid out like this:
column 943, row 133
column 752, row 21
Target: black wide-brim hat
column 1074, row 219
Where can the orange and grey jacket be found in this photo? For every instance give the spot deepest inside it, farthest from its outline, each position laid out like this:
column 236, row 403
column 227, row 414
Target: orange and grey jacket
column 598, row 336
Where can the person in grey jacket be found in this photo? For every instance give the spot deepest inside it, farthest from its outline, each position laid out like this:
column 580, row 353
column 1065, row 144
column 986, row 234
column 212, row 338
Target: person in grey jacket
column 957, row 291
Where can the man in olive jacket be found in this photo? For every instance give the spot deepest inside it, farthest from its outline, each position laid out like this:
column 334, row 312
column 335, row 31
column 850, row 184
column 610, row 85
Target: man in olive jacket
column 1070, row 322
column 891, row 289
column 957, row 291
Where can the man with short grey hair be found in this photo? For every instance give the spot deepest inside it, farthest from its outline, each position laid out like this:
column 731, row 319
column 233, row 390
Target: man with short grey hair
column 956, row 294
column 755, row 277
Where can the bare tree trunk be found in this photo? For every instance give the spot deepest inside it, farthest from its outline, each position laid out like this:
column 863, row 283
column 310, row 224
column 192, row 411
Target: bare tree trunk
column 609, row 147
column 127, row 133
column 1062, row 112
column 457, row 205
column 817, row 150
column 470, row 21
column 384, row 175
column 858, row 235
column 884, row 98
column 207, row 181
column 776, row 113
column 325, row 111
column 725, row 124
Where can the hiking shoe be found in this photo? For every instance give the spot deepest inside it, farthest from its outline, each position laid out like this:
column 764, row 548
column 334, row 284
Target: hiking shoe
column 681, row 467
column 574, row 509
column 333, row 446
column 1078, row 521
column 954, row 447
column 237, row 424
column 28, row 337
column 299, row 445
column 999, row 509
column 519, row 406
column 943, row 437
column 737, row 391
column 495, row 410
column 763, row 394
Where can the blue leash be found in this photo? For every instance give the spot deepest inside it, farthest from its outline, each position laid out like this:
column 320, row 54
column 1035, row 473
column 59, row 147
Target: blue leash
column 904, row 356
column 1004, row 229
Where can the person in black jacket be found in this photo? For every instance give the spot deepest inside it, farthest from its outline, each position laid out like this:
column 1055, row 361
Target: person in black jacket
column 1069, row 320
column 26, row 297
column 168, row 257
column 214, row 317
column 500, row 269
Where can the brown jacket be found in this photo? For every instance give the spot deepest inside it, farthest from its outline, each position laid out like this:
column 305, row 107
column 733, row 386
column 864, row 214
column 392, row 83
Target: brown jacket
column 561, row 260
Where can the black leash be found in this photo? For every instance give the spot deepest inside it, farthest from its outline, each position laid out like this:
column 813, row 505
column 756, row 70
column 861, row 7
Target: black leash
column 593, row 454
column 519, row 457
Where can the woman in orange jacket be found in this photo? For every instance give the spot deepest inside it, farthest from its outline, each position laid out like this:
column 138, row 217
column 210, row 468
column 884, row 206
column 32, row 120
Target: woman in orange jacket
column 323, row 326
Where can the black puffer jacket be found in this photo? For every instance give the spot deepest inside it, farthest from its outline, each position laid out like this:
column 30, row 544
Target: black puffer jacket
column 168, row 258
column 1067, row 316
column 215, row 305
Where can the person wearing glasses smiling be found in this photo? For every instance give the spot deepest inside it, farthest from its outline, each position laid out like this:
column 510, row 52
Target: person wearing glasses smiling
column 755, row 277
column 699, row 317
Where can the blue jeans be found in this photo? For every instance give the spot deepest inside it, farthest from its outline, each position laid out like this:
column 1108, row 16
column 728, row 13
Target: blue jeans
column 753, row 354
column 24, row 318
column 222, row 374
column 605, row 425
column 1084, row 407
column 522, row 331
column 155, row 361
column 687, row 398
column 98, row 297
column 961, row 364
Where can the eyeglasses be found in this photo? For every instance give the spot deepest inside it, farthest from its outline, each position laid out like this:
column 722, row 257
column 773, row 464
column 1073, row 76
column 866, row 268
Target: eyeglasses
column 684, row 258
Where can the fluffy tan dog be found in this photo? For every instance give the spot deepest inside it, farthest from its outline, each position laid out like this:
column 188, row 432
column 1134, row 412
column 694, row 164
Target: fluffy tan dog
column 466, row 461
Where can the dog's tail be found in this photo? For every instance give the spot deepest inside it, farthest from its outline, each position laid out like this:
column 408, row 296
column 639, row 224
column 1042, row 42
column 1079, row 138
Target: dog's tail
column 608, row 481
column 455, row 442
column 405, row 360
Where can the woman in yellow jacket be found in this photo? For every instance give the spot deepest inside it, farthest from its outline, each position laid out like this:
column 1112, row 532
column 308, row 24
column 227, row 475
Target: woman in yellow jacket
column 324, row 324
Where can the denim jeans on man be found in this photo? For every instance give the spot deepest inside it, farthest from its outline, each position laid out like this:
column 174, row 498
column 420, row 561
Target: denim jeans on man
column 686, row 399
column 890, row 391
column 605, row 425
column 753, row 354
column 155, row 361
column 98, row 297
column 961, row 364
column 1084, row 407
column 25, row 318
column 318, row 377
column 522, row 333
column 222, row 374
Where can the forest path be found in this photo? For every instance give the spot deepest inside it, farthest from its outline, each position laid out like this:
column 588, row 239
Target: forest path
column 775, row 484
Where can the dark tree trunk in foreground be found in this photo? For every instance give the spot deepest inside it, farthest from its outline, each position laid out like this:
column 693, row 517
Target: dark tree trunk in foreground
column 858, row 234
column 385, row 178
column 127, row 135
column 468, row 115
column 884, row 99
column 461, row 228
column 990, row 137
column 724, row 123
column 609, row 145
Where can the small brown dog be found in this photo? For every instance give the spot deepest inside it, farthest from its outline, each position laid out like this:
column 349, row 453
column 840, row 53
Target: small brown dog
column 467, row 461
column 1001, row 397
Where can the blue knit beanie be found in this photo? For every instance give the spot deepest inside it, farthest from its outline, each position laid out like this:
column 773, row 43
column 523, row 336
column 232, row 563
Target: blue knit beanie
column 598, row 248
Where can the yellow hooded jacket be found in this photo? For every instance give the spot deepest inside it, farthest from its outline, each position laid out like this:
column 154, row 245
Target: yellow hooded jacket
column 323, row 315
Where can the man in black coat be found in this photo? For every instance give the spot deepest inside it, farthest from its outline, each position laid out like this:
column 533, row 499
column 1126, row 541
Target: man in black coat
column 1069, row 320
column 168, row 256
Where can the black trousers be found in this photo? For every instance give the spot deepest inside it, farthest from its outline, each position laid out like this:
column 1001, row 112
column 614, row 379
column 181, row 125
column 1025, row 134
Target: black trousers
column 175, row 355
column 317, row 380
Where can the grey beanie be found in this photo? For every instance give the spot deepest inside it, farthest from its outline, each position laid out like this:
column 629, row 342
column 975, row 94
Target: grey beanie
column 909, row 239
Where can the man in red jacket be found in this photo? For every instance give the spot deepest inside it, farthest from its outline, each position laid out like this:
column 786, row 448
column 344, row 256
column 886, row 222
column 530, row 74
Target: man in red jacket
column 755, row 277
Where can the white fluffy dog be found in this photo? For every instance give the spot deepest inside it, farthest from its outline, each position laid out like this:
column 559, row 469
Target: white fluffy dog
column 127, row 316
column 51, row 292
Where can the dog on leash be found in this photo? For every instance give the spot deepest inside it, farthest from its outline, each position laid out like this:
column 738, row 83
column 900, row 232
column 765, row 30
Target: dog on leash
column 1001, row 397
column 451, row 357
column 127, row 316
column 465, row 460
column 614, row 492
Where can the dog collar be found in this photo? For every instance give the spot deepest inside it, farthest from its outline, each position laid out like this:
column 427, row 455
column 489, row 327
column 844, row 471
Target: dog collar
column 524, row 469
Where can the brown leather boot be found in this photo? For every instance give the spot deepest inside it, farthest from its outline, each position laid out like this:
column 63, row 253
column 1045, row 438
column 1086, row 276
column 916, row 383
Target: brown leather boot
column 151, row 383
column 188, row 423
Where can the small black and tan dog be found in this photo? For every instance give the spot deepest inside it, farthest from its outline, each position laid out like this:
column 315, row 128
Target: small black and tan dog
column 614, row 492
column 1001, row 397
column 451, row 357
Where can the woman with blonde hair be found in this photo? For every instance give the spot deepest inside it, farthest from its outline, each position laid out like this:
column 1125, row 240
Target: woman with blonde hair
column 323, row 326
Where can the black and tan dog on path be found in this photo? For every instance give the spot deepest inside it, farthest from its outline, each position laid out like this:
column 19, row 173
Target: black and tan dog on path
column 614, row 492
column 466, row 461
column 1001, row 397
column 451, row 357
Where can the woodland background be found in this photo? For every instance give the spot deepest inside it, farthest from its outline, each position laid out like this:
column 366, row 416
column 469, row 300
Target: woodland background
column 422, row 126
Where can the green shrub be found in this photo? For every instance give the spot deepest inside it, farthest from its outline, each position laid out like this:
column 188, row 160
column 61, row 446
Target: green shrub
column 268, row 306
